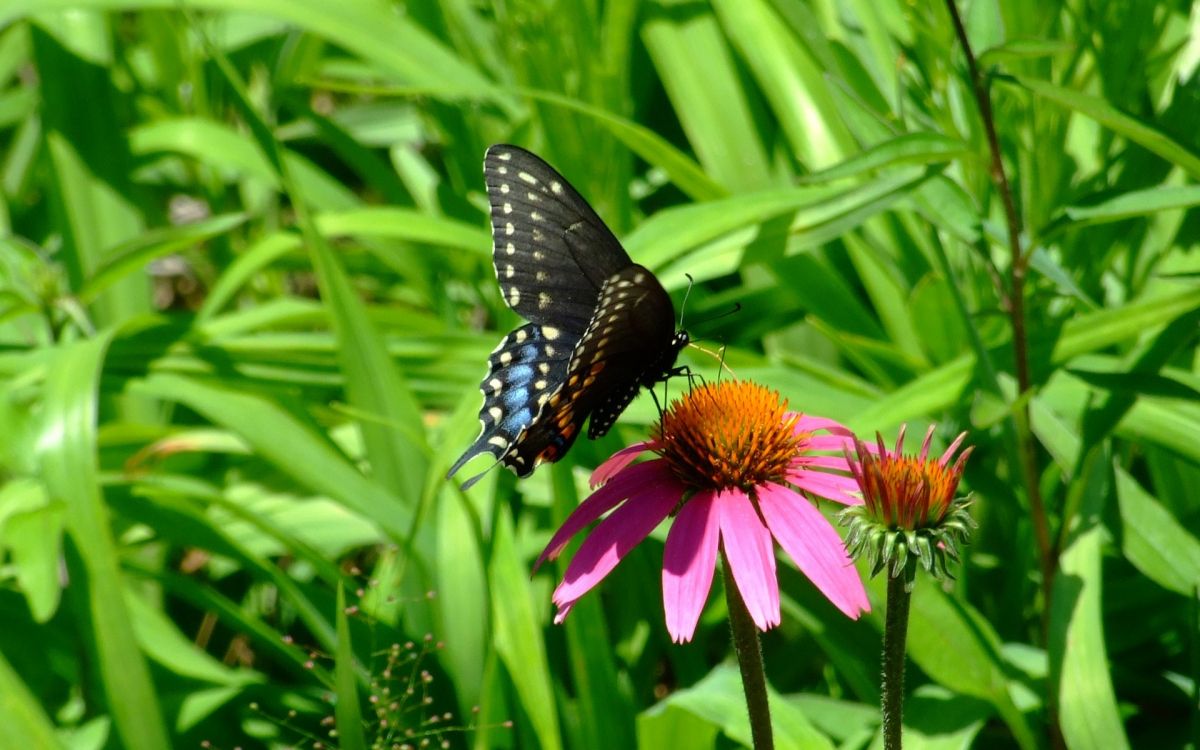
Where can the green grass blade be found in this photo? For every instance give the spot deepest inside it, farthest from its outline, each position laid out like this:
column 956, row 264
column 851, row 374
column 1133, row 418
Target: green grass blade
column 285, row 441
column 68, row 458
column 347, row 711
column 373, row 384
column 26, row 725
column 1087, row 704
column 702, row 81
column 793, row 83
column 518, row 637
column 1132, row 128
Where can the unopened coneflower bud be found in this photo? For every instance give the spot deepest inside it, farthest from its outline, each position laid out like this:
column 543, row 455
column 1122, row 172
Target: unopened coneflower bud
column 910, row 513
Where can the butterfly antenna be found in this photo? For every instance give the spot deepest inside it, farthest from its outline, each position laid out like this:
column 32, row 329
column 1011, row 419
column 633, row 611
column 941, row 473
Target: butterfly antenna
column 737, row 308
column 686, row 294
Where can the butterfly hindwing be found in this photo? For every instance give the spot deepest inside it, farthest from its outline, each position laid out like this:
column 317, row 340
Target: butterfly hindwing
column 523, row 370
column 629, row 342
column 551, row 251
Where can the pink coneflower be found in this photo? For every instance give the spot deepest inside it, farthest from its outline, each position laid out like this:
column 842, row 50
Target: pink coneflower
column 732, row 461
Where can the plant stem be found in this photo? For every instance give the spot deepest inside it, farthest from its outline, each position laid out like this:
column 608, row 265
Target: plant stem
column 749, row 656
column 1015, row 303
column 895, row 635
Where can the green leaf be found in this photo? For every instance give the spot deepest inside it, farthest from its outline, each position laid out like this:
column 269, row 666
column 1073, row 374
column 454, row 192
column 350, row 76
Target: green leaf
column 701, row 80
column 68, row 456
column 26, row 725
column 955, row 646
column 31, row 528
column 1132, row 128
column 164, row 644
column 406, row 224
column 1017, row 50
column 1087, row 704
column 390, row 40
column 718, row 700
column 517, row 636
column 373, row 384
column 795, row 86
column 1137, row 203
column 941, row 388
column 285, row 441
column 668, row 235
column 936, row 719
column 347, row 710
column 650, row 146
column 132, row 256
column 1152, row 539
column 908, row 148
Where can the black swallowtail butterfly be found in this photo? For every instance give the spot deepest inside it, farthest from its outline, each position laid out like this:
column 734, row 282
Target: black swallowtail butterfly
column 600, row 326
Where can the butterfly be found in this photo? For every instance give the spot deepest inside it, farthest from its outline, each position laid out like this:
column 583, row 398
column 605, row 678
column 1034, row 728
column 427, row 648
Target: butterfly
column 600, row 326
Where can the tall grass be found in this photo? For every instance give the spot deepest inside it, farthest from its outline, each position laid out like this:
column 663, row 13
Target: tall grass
column 246, row 299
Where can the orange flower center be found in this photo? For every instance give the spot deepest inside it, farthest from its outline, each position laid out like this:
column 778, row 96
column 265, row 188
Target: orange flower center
column 731, row 434
column 907, row 492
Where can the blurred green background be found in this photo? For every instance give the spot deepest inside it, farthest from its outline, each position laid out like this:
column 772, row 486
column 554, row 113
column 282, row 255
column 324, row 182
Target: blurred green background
column 246, row 299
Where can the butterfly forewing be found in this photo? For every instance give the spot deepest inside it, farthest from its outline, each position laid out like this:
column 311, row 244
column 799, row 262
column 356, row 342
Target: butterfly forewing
column 551, row 251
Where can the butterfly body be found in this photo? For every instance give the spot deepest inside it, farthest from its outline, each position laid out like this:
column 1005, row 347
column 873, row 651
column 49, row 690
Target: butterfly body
column 600, row 326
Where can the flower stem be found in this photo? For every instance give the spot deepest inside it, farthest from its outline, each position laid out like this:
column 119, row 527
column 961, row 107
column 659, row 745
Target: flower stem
column 750, row 662
column 895, row 633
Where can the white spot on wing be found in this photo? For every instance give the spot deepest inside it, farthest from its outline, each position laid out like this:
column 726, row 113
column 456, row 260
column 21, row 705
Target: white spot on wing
column 510, row 248
column 551, row 333
column 514, row 297
column 504, row 155
column 556, row 187
column 504, row 188
column 535, row 216
column 508, row 208
column 496, row 413
column 509, row 271
column 509, row 228
column 505, row 358
column 527, row 177
column 543, row 300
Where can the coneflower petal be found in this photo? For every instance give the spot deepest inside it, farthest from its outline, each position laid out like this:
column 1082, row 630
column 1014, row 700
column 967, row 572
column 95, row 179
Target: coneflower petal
column 689, row 560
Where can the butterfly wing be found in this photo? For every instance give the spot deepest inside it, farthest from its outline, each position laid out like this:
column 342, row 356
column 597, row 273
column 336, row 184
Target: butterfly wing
column 630, row 341
column 522, row 372
column 551, row 251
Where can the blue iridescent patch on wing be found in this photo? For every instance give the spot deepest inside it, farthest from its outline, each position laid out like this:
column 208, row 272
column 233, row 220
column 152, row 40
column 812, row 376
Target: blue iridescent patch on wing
column 522, row 371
